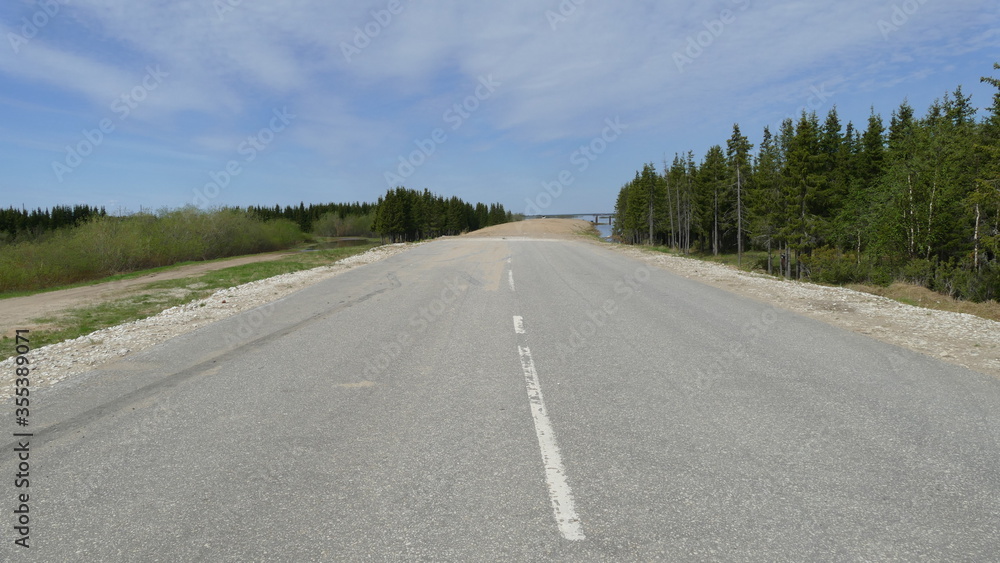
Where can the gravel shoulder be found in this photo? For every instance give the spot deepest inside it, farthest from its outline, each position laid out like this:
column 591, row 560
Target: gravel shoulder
column 966, row 340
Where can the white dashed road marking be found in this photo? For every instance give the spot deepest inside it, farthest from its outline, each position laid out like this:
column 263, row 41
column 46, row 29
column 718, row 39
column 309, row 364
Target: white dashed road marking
column 555, row 474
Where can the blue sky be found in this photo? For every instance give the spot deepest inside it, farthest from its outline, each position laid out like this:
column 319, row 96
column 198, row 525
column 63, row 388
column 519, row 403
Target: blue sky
column 546, row 106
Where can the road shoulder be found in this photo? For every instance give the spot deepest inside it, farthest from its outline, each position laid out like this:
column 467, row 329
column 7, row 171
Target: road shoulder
column 958, row 338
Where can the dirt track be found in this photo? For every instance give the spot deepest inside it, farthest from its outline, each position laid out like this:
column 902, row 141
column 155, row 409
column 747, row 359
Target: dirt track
column 18, row 312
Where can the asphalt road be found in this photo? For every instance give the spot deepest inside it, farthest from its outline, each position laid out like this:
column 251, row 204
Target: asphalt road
column 488, row 399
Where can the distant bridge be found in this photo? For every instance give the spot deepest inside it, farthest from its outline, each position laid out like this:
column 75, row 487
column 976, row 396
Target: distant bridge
column 601, row 219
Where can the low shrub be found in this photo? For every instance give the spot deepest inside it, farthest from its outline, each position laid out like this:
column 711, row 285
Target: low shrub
column 334, row 225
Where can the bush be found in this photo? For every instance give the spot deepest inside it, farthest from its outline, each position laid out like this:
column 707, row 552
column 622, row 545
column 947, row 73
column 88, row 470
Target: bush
column 829, row 265
column 918, row 272
column 966, row 283
column 333, row 225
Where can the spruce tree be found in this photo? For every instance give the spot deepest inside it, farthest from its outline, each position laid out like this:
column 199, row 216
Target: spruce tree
column 738, row 158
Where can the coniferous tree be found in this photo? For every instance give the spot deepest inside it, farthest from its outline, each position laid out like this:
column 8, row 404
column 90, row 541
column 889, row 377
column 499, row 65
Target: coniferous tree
column 766, row 195
column 636, row 210
column 738, row 157
column 858, row 212
column 803, row 173
column 834, row 147
column 713, row 198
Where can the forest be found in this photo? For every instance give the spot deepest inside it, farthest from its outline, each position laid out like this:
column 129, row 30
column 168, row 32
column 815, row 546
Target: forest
column 21, row 224
column 917, row 201
column 404, row 215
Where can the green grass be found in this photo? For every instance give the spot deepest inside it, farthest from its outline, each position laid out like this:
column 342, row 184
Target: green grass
column 85, row 320
column 155, row 297
column 247, row 273
column 590, row 232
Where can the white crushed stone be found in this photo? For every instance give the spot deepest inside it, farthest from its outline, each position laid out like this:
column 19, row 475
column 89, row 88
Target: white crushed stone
column 967, row 340
column 57, row 362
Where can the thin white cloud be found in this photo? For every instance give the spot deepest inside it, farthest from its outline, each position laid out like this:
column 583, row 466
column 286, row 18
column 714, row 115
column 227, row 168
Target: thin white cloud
column 41, row 63
column 599, row 58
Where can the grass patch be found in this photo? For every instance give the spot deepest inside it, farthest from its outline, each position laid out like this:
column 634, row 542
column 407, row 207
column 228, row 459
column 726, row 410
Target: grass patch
column 589, row 232
column 246, row 273
column 154, row 297
column 85, row 320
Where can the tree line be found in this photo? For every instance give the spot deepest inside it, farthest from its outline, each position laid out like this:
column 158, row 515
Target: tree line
column 918, row 201
column 21, row 224
column 305, row 216
column 404, row 215
column 400, row 215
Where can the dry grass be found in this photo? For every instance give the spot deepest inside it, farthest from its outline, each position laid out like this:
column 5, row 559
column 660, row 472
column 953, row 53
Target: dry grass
column 923, row 297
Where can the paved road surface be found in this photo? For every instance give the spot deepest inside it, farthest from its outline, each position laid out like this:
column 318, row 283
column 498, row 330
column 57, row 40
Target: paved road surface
column 490, row 399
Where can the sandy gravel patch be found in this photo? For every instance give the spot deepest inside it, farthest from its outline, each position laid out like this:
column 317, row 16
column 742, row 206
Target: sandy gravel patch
column 536, row 228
